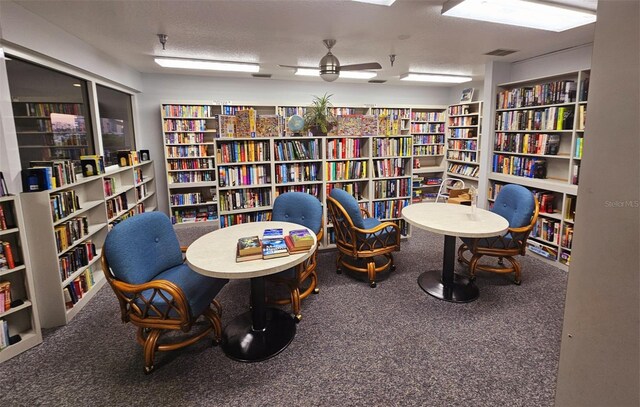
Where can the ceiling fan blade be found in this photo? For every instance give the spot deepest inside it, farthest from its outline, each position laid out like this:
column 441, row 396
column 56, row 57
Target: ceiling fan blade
column 291, row 66
column 361, row 67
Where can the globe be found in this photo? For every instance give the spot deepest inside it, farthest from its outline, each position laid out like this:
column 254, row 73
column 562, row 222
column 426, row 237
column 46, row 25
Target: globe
column 295, row 123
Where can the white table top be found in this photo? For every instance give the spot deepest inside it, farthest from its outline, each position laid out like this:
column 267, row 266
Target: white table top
column 455, row 220
column 214, row 254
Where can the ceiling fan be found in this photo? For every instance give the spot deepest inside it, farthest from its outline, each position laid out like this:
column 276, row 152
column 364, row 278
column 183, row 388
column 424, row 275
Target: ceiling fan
column 330, row 67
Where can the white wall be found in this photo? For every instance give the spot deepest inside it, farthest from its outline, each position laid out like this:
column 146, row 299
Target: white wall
column 22, row 28
column 600, row 351
column 571, row 60
column 169, row 88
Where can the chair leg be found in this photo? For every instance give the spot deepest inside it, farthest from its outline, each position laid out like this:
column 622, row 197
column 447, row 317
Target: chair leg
column 295, row 304
column 516, row 269
column 472, row 266
column 214, row 319
column 463, row 247
column 314, row 281
column 371, row 273
column 339, row 263
column 150, row 350
column 393, row 265
column 501, row 261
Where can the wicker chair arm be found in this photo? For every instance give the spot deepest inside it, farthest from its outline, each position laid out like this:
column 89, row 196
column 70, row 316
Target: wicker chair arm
column 168, row 291
column 365, row 213
column 378, row 228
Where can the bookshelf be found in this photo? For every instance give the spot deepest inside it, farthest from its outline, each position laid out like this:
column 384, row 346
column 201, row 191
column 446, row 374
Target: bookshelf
column 427, row 127
column 66, row 228
column 189, row 133
column 463, row 141
column 21, row 318
column 537, row 142
column 40, row 138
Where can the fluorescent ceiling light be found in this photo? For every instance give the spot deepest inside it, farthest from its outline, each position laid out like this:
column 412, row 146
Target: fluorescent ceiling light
column 377, row 2
column 208, row 65
column 343, row 74
column 428, row 77
column 531, row 14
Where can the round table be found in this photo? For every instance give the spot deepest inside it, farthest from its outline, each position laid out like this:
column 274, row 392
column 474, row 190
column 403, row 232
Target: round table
column 264, row 331
column 452, row 221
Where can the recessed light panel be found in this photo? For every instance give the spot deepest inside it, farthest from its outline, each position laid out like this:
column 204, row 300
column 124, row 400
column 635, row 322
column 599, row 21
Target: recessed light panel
column 207, row 65
column 531, row 14
column 435, row 78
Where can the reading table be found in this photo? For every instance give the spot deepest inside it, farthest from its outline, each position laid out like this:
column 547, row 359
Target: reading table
column 264, row 331
column 451, row 221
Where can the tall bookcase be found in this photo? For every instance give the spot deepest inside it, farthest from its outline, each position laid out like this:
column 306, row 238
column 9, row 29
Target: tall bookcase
column 463, row 141
column 538, row 138
column 66, row 228
column 427, row 128
column 21, row 317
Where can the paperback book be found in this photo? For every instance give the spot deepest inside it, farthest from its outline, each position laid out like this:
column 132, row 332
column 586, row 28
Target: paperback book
column 276, row 233
column 275, row 247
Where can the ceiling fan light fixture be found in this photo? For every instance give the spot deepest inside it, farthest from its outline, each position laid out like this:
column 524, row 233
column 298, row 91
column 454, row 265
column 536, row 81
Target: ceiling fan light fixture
column 437, row 78
column 377, row 2
column 530, row 14
column 183, row 63
column 342, row 74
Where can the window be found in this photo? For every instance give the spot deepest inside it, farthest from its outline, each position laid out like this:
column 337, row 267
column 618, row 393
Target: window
column 116, row 123
column 51, row 113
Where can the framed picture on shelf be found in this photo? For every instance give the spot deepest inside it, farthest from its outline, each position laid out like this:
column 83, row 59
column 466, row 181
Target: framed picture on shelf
column 467, row 95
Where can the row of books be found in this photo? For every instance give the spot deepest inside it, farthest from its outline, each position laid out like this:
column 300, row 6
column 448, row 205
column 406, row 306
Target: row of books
column 462, row 145
column 297, row 172
column 191, row 164
column 520, row 166
column 76, row 258
column 344, row 170
column 462, row 133
column 344, row 148
column 187, row 151
column 200, row 214
column 243, row 175
column 556, row 92
column 427, row 116
column 389, row 209
column 467, row 156
column 116, row 205
column 463, row 169
column 355, row 189
column 70, row 231
column 547, row 229
column 245, row 199
column 297, row 150
column 463, row 121
column 547, row 144
column 428, row 139
column 7, row 220
column 5, row 296
column 551, row 118
column 243, row 151
column 391, row 188
column 64, row 204
column 273, row 244
column 189, row 111
column 390, row 167
column 4, row 190
column 192, row 176
column 43, row 175
column 429, row 150
column 7, row 259
column 311, row 189
column 392, row 146
column 189, row 198
column 235, row 219
column 418, row 128
column 5, row 338
column 78, row 288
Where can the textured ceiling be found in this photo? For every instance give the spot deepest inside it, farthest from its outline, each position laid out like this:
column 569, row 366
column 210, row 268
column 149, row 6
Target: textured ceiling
column 290, row 32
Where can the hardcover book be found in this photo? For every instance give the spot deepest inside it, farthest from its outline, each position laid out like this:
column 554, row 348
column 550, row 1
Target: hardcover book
column 301, row 238
column 276, row 233
column 272, row 248
column 247, row 257
column 292, row 248
column 249, row 245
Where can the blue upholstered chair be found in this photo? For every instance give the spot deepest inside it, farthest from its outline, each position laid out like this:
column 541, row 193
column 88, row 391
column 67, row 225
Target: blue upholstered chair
column 302, row 280
column 358, row 236
column 142, row 262
column 519, row 206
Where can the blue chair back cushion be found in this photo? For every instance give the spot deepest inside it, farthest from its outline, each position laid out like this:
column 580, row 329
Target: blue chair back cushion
column 516, row 204
column 298, row 207
column 141, row 247
column 350, row 205
column 198, row 289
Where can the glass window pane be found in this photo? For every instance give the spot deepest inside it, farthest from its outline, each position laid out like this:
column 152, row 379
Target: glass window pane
column 51, row 113
column 116, row 123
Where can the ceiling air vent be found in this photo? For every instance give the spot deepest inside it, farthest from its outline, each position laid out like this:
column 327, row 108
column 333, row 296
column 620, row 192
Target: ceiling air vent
column 377, row 80
column 501, row 52
column 261, row 75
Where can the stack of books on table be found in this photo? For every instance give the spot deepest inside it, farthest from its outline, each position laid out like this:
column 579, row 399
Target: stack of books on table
column 299, row 240
column 273, row 244
column 249, row 248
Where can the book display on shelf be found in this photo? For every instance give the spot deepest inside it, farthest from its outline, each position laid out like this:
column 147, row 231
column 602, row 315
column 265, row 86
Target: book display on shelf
column 427, row 127
column 19, row 318
column 464, row 126
column 66, row 228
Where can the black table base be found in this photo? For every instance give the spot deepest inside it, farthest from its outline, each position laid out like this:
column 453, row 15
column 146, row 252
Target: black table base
column 462, row 290
column 448, row 286
column 259, row 334
column 240, row 341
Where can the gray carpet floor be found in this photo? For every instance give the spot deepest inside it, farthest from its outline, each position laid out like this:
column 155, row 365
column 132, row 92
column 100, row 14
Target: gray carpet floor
column 389, row 346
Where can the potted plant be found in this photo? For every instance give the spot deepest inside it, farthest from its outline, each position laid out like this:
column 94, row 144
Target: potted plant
column 318, row 118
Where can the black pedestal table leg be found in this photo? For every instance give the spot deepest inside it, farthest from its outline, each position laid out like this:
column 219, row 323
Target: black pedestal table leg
column 258, row 312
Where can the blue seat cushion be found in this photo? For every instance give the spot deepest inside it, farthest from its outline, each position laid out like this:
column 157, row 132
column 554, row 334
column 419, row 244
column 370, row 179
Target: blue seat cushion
column 288, row 274
column 507, row 242
column 516, row 204
column 198, row 289
column 350, row 205
column 298, row 207
column 141, row 247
